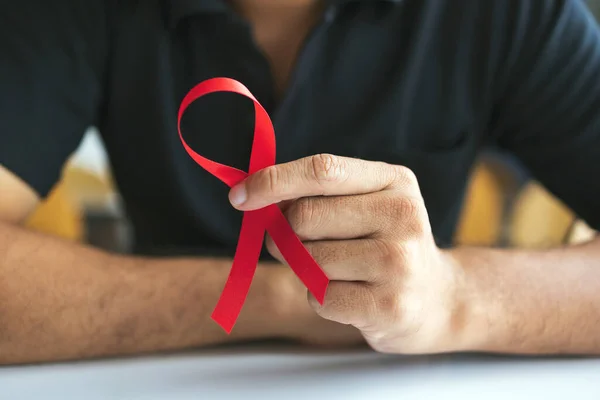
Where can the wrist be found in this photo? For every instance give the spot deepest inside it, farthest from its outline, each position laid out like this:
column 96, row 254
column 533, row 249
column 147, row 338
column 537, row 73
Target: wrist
column 260, row 317
column 280, row 298
column 471, row 313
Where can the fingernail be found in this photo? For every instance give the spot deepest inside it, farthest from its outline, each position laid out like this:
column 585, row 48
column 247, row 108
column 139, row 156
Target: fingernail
column 238, row 195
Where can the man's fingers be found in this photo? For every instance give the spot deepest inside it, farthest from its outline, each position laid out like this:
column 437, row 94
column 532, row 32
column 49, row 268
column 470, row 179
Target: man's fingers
column 349, row 260
column 350, row 217
column 349, row 303
column 335, row 217
column 319, row 175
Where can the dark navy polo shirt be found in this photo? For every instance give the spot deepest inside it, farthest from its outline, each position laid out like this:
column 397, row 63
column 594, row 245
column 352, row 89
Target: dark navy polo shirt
column 422, row 83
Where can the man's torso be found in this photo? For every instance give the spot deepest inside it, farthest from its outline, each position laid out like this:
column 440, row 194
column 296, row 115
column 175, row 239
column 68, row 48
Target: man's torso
column 398, row 82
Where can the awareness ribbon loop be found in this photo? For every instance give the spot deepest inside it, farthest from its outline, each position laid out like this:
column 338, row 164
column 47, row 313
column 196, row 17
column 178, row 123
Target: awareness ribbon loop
column 254, row 223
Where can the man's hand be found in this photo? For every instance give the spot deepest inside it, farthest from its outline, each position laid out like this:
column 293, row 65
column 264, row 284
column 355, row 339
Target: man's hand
column 366, row 225
column 296, row 320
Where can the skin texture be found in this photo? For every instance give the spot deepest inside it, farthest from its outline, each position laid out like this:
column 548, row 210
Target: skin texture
column 63, row 301
column 280, row 28
column 60, row 300
column 366, row 225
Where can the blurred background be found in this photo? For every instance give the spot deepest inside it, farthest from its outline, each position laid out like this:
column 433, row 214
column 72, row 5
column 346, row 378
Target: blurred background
column 504, row 206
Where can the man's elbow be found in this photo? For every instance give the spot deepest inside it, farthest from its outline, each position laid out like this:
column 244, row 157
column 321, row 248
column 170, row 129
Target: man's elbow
column 17, row 199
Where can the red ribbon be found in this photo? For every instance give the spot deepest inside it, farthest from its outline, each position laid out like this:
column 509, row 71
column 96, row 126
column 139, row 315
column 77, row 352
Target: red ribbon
column 254, row 223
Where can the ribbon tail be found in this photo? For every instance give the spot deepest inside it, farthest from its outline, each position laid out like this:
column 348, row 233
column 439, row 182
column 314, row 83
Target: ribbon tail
column 242, row 271
column 296, row 255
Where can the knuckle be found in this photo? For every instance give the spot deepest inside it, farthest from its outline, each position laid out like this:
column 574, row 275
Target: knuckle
column 327, row 167
column 389, row 305
column 406, row 176
column 406, row 208
column 387, row 205
column 391, row 254
column 418, row 227
column 396, row 260
column 271, row 178
column 411, row 211
column 341, row 304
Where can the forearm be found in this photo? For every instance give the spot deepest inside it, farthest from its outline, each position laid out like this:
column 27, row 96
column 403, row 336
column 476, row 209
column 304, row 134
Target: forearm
column 59, row 300
column 530, row 302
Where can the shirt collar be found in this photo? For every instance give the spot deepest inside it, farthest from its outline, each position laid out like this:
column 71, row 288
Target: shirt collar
column 176, row 10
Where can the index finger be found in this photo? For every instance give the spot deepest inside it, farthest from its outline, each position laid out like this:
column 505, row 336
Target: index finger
column 319, row 175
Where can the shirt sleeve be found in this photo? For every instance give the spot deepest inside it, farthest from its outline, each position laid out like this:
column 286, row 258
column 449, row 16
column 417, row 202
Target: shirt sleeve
column 547, row 109
column 51, row 57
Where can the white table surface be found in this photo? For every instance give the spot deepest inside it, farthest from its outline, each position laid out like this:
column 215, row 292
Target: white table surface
column 281, row 372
